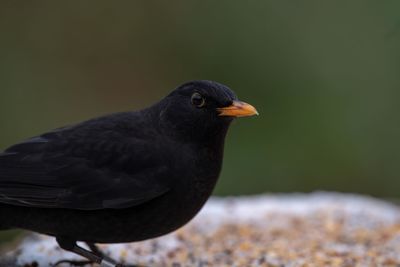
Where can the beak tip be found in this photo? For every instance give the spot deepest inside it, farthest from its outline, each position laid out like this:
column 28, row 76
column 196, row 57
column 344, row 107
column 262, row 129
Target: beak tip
column 238, row 109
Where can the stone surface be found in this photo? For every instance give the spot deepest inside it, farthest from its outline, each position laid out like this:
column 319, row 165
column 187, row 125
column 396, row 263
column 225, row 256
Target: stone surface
column 319, row 229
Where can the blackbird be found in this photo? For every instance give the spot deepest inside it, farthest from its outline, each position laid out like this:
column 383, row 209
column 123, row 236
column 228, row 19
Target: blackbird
column 122, row 177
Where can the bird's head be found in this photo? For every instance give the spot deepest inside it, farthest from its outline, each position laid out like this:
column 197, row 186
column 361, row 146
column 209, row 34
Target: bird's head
column 200, row 110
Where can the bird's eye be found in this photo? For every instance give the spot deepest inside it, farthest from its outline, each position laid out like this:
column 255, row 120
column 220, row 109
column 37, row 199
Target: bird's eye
column 198, row 100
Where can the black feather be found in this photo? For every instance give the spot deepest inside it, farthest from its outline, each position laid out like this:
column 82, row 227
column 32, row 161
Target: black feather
column 82, row 167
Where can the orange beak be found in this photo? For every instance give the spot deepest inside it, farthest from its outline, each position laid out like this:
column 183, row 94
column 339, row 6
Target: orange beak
column 238, row 109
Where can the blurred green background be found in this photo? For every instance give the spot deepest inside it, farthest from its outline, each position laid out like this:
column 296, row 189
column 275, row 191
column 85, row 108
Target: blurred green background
column 324, row 76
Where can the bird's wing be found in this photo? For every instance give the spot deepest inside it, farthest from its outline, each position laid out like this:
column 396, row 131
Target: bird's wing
column 77, row 169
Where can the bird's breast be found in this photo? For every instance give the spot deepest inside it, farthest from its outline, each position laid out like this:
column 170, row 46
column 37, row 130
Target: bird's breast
column 197, row 176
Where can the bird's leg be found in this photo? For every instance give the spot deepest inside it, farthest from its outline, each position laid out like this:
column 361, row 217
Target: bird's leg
column 70, row 245
column 95, row 249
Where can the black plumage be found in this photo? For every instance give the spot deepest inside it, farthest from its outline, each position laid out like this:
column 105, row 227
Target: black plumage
column 123, row 177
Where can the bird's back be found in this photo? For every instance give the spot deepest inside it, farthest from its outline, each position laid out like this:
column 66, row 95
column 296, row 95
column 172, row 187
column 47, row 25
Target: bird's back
column 105, row 171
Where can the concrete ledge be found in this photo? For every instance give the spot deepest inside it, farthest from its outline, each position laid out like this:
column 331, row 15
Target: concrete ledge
column 319, row 229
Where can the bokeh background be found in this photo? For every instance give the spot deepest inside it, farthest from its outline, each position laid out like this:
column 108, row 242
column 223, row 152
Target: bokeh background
column 324, row 76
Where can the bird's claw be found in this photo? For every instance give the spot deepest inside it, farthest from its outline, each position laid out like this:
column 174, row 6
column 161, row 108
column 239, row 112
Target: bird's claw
column 72, row 263
column 104, row 263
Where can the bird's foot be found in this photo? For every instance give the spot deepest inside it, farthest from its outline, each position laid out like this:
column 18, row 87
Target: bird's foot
column 72, row 263
column 107, row 259
column 101, row 254
column 94, row 255
column 104, row 263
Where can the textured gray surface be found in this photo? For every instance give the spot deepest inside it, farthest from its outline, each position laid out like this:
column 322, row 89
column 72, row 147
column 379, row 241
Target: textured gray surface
column 327, row 229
